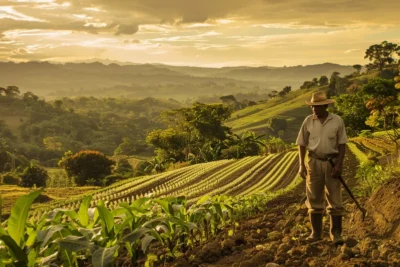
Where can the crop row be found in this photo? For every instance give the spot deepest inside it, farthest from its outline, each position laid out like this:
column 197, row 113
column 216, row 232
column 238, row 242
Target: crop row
column 213, row 178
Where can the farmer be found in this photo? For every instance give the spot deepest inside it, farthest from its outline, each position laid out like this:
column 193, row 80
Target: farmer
column 323, row 135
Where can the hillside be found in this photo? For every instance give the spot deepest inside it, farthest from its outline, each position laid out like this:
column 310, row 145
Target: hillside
column 147, row 80
column 291, row 107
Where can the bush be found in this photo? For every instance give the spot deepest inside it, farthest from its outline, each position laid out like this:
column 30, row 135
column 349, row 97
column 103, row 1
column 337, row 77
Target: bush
column 34, row 175
column 10, row 178
column 87, row 166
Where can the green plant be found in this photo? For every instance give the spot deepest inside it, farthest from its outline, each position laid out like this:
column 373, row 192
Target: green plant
column 18, row 238
column 34, row 175
column 371, row 176
column 85, row 165
column 10, row 178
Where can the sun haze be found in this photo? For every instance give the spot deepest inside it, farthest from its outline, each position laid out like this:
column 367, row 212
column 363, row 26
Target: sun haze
column 199, row 33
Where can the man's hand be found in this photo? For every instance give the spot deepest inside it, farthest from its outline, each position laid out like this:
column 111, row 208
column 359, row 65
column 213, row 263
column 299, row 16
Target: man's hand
column 303, row 171
column 336, row 171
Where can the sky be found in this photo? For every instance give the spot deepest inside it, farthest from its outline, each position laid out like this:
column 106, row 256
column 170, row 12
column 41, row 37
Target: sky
column 206, row 33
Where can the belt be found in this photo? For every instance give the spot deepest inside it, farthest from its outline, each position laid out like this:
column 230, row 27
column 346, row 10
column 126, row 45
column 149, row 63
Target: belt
column 323, row 157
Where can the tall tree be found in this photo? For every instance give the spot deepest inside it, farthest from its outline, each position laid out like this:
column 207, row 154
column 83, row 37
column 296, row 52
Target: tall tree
column 381, row 54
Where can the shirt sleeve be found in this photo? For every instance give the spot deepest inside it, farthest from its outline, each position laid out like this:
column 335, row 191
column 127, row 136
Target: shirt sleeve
column 342, row 136
column 302, row 138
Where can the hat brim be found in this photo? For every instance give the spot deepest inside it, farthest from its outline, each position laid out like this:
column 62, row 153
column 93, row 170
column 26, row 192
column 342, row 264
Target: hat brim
column 320, row 103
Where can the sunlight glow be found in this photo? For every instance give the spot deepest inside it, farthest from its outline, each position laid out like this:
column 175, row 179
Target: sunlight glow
column 10, row 13
column 96, row 24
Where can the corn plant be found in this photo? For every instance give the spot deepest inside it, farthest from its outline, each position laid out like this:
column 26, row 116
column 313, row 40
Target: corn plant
column 18, row 238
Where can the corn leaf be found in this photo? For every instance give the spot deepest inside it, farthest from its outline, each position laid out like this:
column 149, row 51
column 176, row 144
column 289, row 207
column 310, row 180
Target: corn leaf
column 15, row 250
column 107, row 218
column 17, row 221
column 104, row 257
column 75, row 243
column 83, row 214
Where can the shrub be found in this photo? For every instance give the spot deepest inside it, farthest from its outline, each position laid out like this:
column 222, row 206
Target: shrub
column 86, row 166
column 10, row 178
column 34, row 175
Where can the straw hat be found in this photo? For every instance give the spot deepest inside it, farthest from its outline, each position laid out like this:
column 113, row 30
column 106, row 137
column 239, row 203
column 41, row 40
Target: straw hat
column 319, row 99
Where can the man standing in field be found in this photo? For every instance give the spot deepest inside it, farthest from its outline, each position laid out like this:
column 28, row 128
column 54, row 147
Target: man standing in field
column 323, row 135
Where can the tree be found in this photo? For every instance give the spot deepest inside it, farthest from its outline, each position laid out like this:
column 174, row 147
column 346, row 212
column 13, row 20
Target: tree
column 381, row 54
column 287, row 89
column 357, row 67
column 397, row 78
column 29, row 96
column 230, row 101
column 381, row 98
column 332, row 83
column 171, row 141
column 248, row 144
column 308, row 84
column 190, row 128
column 34, row 175
column 352, row 109
column 127, row 147
column 282, row 93
column 323, row 80
column 10, row 91
column 86, row 165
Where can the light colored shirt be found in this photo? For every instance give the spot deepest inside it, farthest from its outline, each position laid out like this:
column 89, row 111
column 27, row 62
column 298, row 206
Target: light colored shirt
column 322, row 138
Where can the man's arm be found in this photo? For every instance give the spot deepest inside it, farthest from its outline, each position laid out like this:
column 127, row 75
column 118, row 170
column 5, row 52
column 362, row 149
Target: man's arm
column 337, row 170
column 302, row 168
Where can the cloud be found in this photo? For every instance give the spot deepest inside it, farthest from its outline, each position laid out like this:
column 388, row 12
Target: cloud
column 131, row 41
column 127, row 29
column 123, row 17
column 351, row 51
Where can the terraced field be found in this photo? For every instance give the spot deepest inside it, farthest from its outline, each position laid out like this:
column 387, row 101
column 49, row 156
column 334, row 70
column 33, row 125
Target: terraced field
column 257, row 174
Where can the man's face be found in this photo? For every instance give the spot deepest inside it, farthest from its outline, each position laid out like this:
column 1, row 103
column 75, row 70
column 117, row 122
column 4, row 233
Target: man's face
column 319, row 111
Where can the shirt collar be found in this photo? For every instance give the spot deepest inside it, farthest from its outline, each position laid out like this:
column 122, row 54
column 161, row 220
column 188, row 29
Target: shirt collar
column 327, row 118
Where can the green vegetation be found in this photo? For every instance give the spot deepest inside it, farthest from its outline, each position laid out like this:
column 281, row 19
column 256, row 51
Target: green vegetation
column 227, row 159
column 34, row 176
column 290, row 107
column 87, row 167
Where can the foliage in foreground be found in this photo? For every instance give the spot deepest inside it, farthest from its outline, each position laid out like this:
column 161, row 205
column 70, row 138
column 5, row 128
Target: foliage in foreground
column 69, row 237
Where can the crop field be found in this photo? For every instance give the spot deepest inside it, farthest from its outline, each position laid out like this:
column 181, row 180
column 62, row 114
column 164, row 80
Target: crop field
column 189, row 205
column 182, row 208
column 255, row 118
column 379, row 146
column 256, row 174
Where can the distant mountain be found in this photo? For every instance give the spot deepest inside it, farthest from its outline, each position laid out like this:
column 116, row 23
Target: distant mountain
column 142, row 80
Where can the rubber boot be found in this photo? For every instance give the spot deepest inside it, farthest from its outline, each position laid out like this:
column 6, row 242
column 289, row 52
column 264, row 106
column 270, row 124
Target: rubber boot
column 316, row 227
column 336, row 230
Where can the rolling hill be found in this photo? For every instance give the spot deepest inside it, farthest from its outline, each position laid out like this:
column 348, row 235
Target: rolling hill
column 146, row 80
